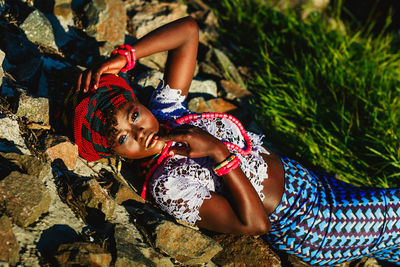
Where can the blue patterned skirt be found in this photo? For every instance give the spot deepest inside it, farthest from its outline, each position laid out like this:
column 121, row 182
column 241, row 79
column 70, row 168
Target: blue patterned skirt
column 325, row 221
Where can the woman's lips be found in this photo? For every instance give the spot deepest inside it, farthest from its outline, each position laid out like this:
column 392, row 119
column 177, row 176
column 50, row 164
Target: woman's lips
column 151, row 140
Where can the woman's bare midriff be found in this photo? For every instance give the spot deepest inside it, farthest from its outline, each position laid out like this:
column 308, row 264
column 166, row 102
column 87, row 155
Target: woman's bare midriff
column 275, row 184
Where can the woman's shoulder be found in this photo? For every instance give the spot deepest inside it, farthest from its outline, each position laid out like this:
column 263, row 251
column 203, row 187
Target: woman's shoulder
column 167, row 103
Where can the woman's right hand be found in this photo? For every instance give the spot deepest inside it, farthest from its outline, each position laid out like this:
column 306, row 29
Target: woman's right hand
column 198, row 143
column 90, row 78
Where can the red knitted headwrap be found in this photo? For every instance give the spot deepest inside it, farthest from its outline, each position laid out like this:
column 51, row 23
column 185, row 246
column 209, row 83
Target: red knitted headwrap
column 89, row 118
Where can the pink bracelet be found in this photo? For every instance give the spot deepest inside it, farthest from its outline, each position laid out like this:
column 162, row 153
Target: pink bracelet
column 125, row 50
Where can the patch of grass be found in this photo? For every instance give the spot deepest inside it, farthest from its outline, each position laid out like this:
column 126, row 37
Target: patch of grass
column 326, row 97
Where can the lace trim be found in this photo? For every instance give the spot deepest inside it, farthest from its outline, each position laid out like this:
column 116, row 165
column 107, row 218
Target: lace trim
column 180, row 185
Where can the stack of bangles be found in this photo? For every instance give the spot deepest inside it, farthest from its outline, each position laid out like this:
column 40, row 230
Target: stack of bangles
column 130, row 55
column 229, row 164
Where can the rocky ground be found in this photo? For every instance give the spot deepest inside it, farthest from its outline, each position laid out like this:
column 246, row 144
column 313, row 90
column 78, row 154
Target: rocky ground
column 58, row 209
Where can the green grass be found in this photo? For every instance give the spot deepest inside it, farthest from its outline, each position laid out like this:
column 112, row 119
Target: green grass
column 328, row 98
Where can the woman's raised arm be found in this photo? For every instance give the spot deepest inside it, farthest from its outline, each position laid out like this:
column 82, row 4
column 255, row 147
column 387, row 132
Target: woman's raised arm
column 180, row 38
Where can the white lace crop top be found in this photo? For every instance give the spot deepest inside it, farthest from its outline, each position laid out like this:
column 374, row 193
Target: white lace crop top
column 180, row 184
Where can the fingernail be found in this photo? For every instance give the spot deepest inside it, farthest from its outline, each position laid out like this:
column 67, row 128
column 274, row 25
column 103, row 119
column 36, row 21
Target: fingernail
column 171, row 153
column 95, row 86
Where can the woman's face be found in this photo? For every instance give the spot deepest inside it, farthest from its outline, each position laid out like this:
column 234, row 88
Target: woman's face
column 137, row 130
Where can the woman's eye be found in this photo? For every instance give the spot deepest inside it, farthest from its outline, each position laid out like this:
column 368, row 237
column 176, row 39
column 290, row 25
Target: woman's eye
column 122, row 139
column 135, row 116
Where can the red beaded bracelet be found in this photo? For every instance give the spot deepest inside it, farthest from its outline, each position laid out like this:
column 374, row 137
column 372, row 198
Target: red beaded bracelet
column 130, row 55
column 229, row 164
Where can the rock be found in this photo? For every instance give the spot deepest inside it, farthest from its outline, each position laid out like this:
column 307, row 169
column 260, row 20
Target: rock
column 20, row 52
column 204, row 88
column 63, row 11
column 98, row 205
column 186, row 245
column 363, row 262
column 38, row 29
column 35, row 109
column 125, row 193
column 59, row 147
column 200, row 105
column 28, row 164
column 2, row 55
column 9, row 249
column 243, row 250
column 25, row 198
column 60, row 15
column 10, row 137
column 150, row 16
column 230, row 71
column 131, row 250
column 106, row 22
column 234, row 91
column 82, row 254
column 149, row 78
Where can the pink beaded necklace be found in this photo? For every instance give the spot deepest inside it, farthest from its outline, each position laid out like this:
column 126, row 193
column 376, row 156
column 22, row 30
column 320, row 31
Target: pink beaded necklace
column 186, row 119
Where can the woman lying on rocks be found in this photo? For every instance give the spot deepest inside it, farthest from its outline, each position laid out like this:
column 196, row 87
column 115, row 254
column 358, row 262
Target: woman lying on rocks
column 205, row 169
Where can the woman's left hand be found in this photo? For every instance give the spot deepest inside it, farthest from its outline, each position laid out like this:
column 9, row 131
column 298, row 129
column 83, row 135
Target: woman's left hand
column 90, row 78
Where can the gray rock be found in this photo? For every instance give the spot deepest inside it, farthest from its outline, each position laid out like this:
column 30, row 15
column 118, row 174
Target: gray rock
column 149, row 78
column 38, row 29
column 150, row 16
column 35, row 109
column 24, row 197
column 185, row 244
column 60, row 15
column 133, row 251
column 9, row 249
column 204, row 88
column 21, row 53
column 10, row 137
column 106, row 22
column 229, row 69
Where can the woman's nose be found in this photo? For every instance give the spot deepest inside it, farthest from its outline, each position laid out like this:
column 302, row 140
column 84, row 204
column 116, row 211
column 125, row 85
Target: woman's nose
column 138, row 132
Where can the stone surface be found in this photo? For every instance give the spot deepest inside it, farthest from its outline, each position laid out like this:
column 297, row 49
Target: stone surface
column 200, row 105
column 35, row 109
column 25, row 198
column 59, row 147
column 8, row 243
column 97, row 203
column 125, row 193
column 185, row 244
column 28, row 164
column 38, row 29
column 20, row 52
column 150, row 16
column 10, row 137
column 205, row 88
column 243, row 250
column 234, row 91
column 82, row 254
column 230, row 70
column 106, row 22
column 133, row 251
